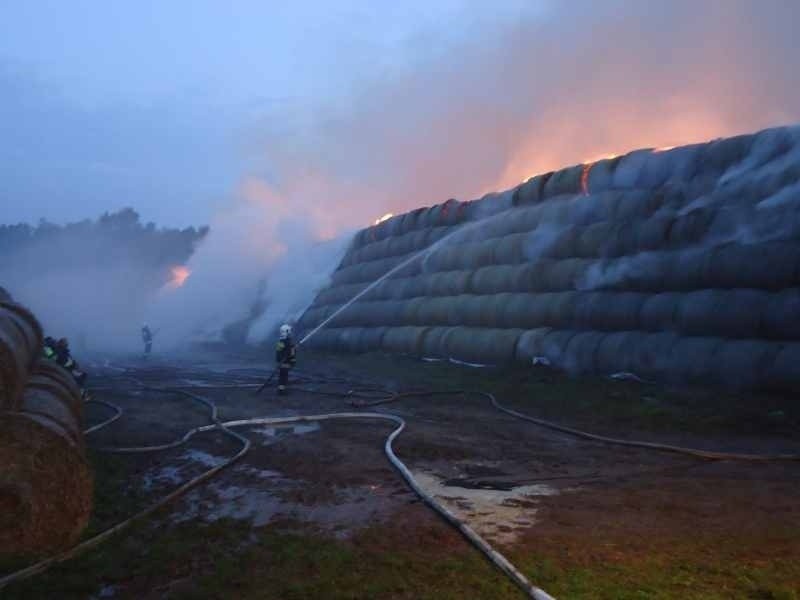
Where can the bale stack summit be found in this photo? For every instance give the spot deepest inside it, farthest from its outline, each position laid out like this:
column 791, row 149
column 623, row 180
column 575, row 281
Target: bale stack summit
column 675, row 265
column 45, row 483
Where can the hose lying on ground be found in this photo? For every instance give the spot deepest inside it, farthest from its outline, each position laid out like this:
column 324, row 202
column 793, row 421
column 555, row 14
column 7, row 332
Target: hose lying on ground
column 706, row 454
column 495, row 557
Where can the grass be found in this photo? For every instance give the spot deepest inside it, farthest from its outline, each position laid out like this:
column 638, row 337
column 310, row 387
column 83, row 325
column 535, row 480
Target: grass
column 287, row 561
column 607, row 403
column 227, row 559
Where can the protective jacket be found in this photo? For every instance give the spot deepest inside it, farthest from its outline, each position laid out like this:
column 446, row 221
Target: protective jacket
column 285, row 352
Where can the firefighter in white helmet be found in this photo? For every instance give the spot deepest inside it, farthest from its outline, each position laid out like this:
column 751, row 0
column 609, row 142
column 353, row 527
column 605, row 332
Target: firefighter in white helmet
column 285, row 357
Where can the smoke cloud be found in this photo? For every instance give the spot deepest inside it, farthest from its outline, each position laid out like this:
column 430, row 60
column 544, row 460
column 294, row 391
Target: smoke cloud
column 509, row 98
column 510, row 94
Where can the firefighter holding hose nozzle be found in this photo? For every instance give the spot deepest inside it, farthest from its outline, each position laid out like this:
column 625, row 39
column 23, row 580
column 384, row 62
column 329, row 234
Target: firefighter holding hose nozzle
column 285, row 357
column 59, row 352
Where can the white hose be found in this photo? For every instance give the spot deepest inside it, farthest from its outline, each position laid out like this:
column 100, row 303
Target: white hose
column 493, row 555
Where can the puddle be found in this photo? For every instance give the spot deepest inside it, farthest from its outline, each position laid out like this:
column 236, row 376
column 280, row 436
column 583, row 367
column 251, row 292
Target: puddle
column 349, row 509
column 271, row 434
column 497, row 514
column 175, row 474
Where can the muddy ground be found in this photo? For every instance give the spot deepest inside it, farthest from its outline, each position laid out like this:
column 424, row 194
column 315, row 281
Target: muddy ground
column 316, row 511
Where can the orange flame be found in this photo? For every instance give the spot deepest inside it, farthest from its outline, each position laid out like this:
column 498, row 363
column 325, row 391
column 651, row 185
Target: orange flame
column 179, row 276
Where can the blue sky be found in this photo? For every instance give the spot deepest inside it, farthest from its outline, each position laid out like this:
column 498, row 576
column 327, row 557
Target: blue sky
column 181, row 108
column 148, row 103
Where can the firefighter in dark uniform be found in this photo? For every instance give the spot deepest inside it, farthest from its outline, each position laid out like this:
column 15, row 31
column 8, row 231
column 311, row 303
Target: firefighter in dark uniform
column 59, row 352
column 147, row 338
column 285, row 357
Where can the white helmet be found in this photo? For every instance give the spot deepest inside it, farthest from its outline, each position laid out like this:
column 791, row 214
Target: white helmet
column 286, row 331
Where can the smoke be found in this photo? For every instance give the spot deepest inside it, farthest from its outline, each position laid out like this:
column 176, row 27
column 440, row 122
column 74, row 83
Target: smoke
column 91, row 281
column 508, row 96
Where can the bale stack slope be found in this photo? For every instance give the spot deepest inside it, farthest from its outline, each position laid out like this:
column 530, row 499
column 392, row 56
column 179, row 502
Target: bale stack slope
column 676, row 265
column 45, row 482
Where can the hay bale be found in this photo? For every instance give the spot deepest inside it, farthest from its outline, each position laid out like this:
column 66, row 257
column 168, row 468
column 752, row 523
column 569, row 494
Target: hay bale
column 781, row 318
column 660, row 312
column 772, row 265
column 692, row 358
column 532, row 191
column 601, row 175
column 45, row 487
column 529, row 345
column 432, row 345
column 783, row 373
column 20, row 346
column 580, row 356
column 403, row 340
column 45, row 483
column 743, row 364
column 564, row 182
column 651, row 356
column 554, row 345
column 616, row 352
column 481, row 345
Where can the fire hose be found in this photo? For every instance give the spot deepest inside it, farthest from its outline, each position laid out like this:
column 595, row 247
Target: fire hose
column 494, row 556
column 370, row 396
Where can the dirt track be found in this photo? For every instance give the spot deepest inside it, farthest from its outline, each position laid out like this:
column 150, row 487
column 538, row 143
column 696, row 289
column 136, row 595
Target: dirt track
column 582, row 519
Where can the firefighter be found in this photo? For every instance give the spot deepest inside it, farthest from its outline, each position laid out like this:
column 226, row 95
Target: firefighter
column 285, row 357
column 60, row 353
column 147, row 338
column 49, row 348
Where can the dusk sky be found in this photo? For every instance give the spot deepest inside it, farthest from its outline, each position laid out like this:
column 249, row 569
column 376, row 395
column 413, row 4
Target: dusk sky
column 181, row 108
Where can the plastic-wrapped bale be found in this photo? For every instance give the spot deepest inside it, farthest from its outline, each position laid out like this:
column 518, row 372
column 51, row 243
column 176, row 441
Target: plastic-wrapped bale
column 731, row 314
column 743, row 363
column 772, row 265
column 616, row 352
column 532, row 191
column 403, row 340
column 781, row 319
column 480, row 345
column 783, row 373
column 563, row 182
column 692, row 359
column 530, row 348
column 600, row 176
column 580, row 355
column 650, row 356
column 20, row 346
column 45, row 484
column 660, row 312
column 433, row 342
column 525, row 310
column 451, row 283
column 439, row 310
column 554, row 345
column 361, row 339
column 609, row 311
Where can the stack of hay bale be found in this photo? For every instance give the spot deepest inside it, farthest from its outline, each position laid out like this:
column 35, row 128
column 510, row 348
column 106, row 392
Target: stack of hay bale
column 45, row 482
column 680, row 265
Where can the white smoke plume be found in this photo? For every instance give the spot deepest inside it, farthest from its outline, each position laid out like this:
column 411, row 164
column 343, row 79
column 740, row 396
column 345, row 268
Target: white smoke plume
column 511, row 95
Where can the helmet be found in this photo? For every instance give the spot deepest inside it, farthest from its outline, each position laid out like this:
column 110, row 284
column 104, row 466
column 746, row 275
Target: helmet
column 286, row 331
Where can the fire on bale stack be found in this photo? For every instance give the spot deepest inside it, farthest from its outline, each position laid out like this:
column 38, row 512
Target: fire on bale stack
column 677, row 264
column 45, row 484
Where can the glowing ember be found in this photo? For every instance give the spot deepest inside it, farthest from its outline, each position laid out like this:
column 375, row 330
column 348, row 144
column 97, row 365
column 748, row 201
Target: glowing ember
column 179, row 276
column 385, row 217
column 587, row 167
column 585, row 178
